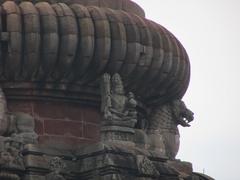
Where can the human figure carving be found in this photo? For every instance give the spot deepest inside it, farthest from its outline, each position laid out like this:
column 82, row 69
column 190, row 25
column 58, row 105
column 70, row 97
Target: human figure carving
column 116, row 105
column 163, row 131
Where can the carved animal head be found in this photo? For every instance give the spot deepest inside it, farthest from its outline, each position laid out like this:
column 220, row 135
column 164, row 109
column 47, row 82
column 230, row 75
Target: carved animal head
column 181, row 113
column 188, row 115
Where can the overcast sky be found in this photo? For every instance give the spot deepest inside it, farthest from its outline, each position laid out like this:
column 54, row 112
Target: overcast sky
column 210, row 32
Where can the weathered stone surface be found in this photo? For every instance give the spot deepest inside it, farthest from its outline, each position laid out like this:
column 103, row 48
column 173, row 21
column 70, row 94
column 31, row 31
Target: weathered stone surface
column 162, row 130
column 14, row 27
column 68, row 39
column 49, row 38
column 119, row 111
column 76, row 44
column 52, row 57
column 102, row 41
column 86, row 40
column 118, row 41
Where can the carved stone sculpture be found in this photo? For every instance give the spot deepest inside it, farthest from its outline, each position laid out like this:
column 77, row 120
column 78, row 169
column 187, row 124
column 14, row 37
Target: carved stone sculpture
column 116, row 106
column 53, row 53
column 11, row 157
column 119, row 110
column 163, row 131
column 182, row 115
column 18, row 125
column 145, row 166
column 56, row 165
column 16, row 130
column 24, row 128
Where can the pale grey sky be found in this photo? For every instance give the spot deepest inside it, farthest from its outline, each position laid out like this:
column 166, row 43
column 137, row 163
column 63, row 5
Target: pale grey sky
column 210, row 32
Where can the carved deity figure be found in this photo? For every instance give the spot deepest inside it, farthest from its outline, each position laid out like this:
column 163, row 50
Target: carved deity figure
column 116, row 106
column 163, row 131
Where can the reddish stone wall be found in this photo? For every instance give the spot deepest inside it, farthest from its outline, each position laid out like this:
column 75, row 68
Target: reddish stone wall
column 61, row 124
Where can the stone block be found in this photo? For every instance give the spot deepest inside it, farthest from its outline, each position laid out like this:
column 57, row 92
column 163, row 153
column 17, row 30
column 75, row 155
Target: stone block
column 32, row 43
column 31, row 23
column 15, row 45
column 50, row 44
column 132, row 7
column 133, row 53
column 20, row 106
column 62, row 142
column 86, row 27
column 34, row 177
column 68, row 25
column 39, row 127
column 64, row 128
column 91, row 2
column 102, row 29
column 42, row 109
column 32, row 161
column 111, row 4
column 114, row 66
column 58, row 110
column 45, row 9
column 49, row 24
column 27, row 8
column 91, row 115
column 91, row 131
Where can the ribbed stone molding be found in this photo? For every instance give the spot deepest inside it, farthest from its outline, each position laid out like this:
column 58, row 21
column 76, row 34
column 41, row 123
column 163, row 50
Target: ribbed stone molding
column 67, row 47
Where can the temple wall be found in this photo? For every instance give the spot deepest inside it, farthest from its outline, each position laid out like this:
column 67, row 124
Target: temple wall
column 61, row 123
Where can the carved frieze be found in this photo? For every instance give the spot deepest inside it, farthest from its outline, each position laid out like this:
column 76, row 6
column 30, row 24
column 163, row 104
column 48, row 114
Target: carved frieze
column 56, row 165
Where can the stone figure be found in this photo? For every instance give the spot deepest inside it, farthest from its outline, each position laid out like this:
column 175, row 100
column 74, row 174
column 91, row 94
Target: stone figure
column 11, row 153
column 116, row 106
column 11, row 157
column 145, row 166
column 18, row 125
column 163, row 132
column 119, row 111
column 182, row 115
column 16, row 130
column 24, row 128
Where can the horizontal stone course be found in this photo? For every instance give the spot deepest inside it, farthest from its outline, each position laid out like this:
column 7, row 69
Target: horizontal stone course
column 64, row 128
column 59, row 122
column 63, row 142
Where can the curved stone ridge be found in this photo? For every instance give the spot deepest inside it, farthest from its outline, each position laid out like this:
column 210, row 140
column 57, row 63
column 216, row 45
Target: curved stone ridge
column 125, row 5
column 76, row 44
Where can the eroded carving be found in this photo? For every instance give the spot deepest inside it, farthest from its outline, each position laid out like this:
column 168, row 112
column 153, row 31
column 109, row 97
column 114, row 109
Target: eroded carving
column 116, row 106
column 145, row 166
column 8, row 176
column 17, row 125
column 16, row 130
column 24, row 128
column 119, row 110
column 163, row 132
column 181, row 114
column 56, row 165
column 11, row 157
